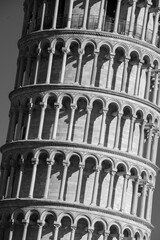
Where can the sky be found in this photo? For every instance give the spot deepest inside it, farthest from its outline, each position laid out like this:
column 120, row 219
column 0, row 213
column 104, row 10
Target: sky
column 11, row 20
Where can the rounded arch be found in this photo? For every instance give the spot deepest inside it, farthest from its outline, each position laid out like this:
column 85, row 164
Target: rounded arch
column 89, row 41
column 79, row 217
column 73, row 40
column 65, row 214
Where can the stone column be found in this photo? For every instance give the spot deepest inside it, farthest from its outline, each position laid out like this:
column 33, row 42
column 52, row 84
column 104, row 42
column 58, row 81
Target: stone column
column 106, row 235
column 154, row 147
column 49, row 170
column 149, row 143
column 43, row 14
column 149, row 203
column 57, row 106
column 110, row 191
column 10, row 125
column 29, row 120
column 26, row 80
column 148, row 83
column 33, row 178
column 130, row 137
column 34, row 15
column 132, row 19
column 95, row 188
column 124, row 78
column 73, row 231
column 85, row 14
column 65, row 165
column 102, row 129
column 13, row 123
column 55, row 15
column 37, row 65
column 10, row 237
column 65, row 52
column 79, row 183
column 135, row 197
column 117, row 133
column 158, row 96
column 136, row 88
column 4, row 182
column 70, row 14
column 148, row 4
column 21, row 70
column 40, row 228
column 21, row 162
column 86, row 131
column 117, row 16
column 41, row 123
column 26, row 223
column 70, row 129
column 141, row 140
column 56, row 231
column 143, row 200
column 81, row 52
column 154, row 99
column 124, row 190
column 90, row 233
column 49, row 70
column 101, row 15
column 94, row 68
column 109, row 74
column 155, row 28
column 10, row 187
column 20, row 119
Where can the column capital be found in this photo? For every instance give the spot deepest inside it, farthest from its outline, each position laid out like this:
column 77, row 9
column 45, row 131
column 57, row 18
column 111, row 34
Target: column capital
column 66, row 163
column 81, row 51
column 90, row 230
column 34, row 161
column 38, row 51
column 25, row 221
column 82, row 165
column 51, row 50
column 73, row 227
column 73, row 106
column 21, row 160
column 57, row 105
column 43, row 105
column 40, row 223
column 65, row 50
column 50, row 161
column 57, row 224
column 96, row 52
column 89, row 108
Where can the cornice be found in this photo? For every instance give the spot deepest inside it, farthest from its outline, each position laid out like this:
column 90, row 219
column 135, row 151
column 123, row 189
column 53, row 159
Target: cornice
column 54, row 87
column 22, row 203
column 24, row 145
column 51, row 33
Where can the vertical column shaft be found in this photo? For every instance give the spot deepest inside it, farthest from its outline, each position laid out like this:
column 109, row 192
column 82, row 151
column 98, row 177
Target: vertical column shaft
column 130, row 137
column 117, row 134
column 43, row 15
column 155, row 88
column 154, row 148
column 51, row 52
column 149, row 142
column 65, row 164
column 80, row 51
column 117, row 16
column 100, row 17
column 69, row 135
column 70, row 14
column 143, row 201
column 33, row 178
column 55, row 15
column 37, row 65
column 110, row 192
column 29, row 121
column 10, row 187
column 85, row 14
column 109, row 70
column 124, row 78
column 155, row 28
column 132, row 19
column 41, row 123
column 20, row 177
column 87, row 124
column 141, row 140
column 56, row 120
column 145, row 21
column 102, row 129
column 94, row 69
column 136, row 89
column 95, row 188
column 135, row 197
column 49, row 169
column 65, row 52
column 79, row 184
column 148, row 84
column 126, row 177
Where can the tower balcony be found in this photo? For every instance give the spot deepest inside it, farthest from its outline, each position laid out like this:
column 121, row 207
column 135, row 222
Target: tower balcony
column 108, row 25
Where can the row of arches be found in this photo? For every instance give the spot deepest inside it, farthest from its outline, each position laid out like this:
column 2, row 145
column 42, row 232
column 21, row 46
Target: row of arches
column 81, row 181
column 51, row 226
column 103, row 68
column 81, row 120
column 134, row 19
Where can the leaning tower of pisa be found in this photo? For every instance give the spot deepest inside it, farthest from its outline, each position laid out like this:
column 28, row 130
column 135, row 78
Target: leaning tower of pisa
column 79, row 162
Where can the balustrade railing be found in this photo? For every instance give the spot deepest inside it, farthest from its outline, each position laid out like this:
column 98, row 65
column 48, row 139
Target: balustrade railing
column 92, row 24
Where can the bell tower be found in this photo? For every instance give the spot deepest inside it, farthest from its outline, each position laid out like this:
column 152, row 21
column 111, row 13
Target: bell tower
column 79, row 162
